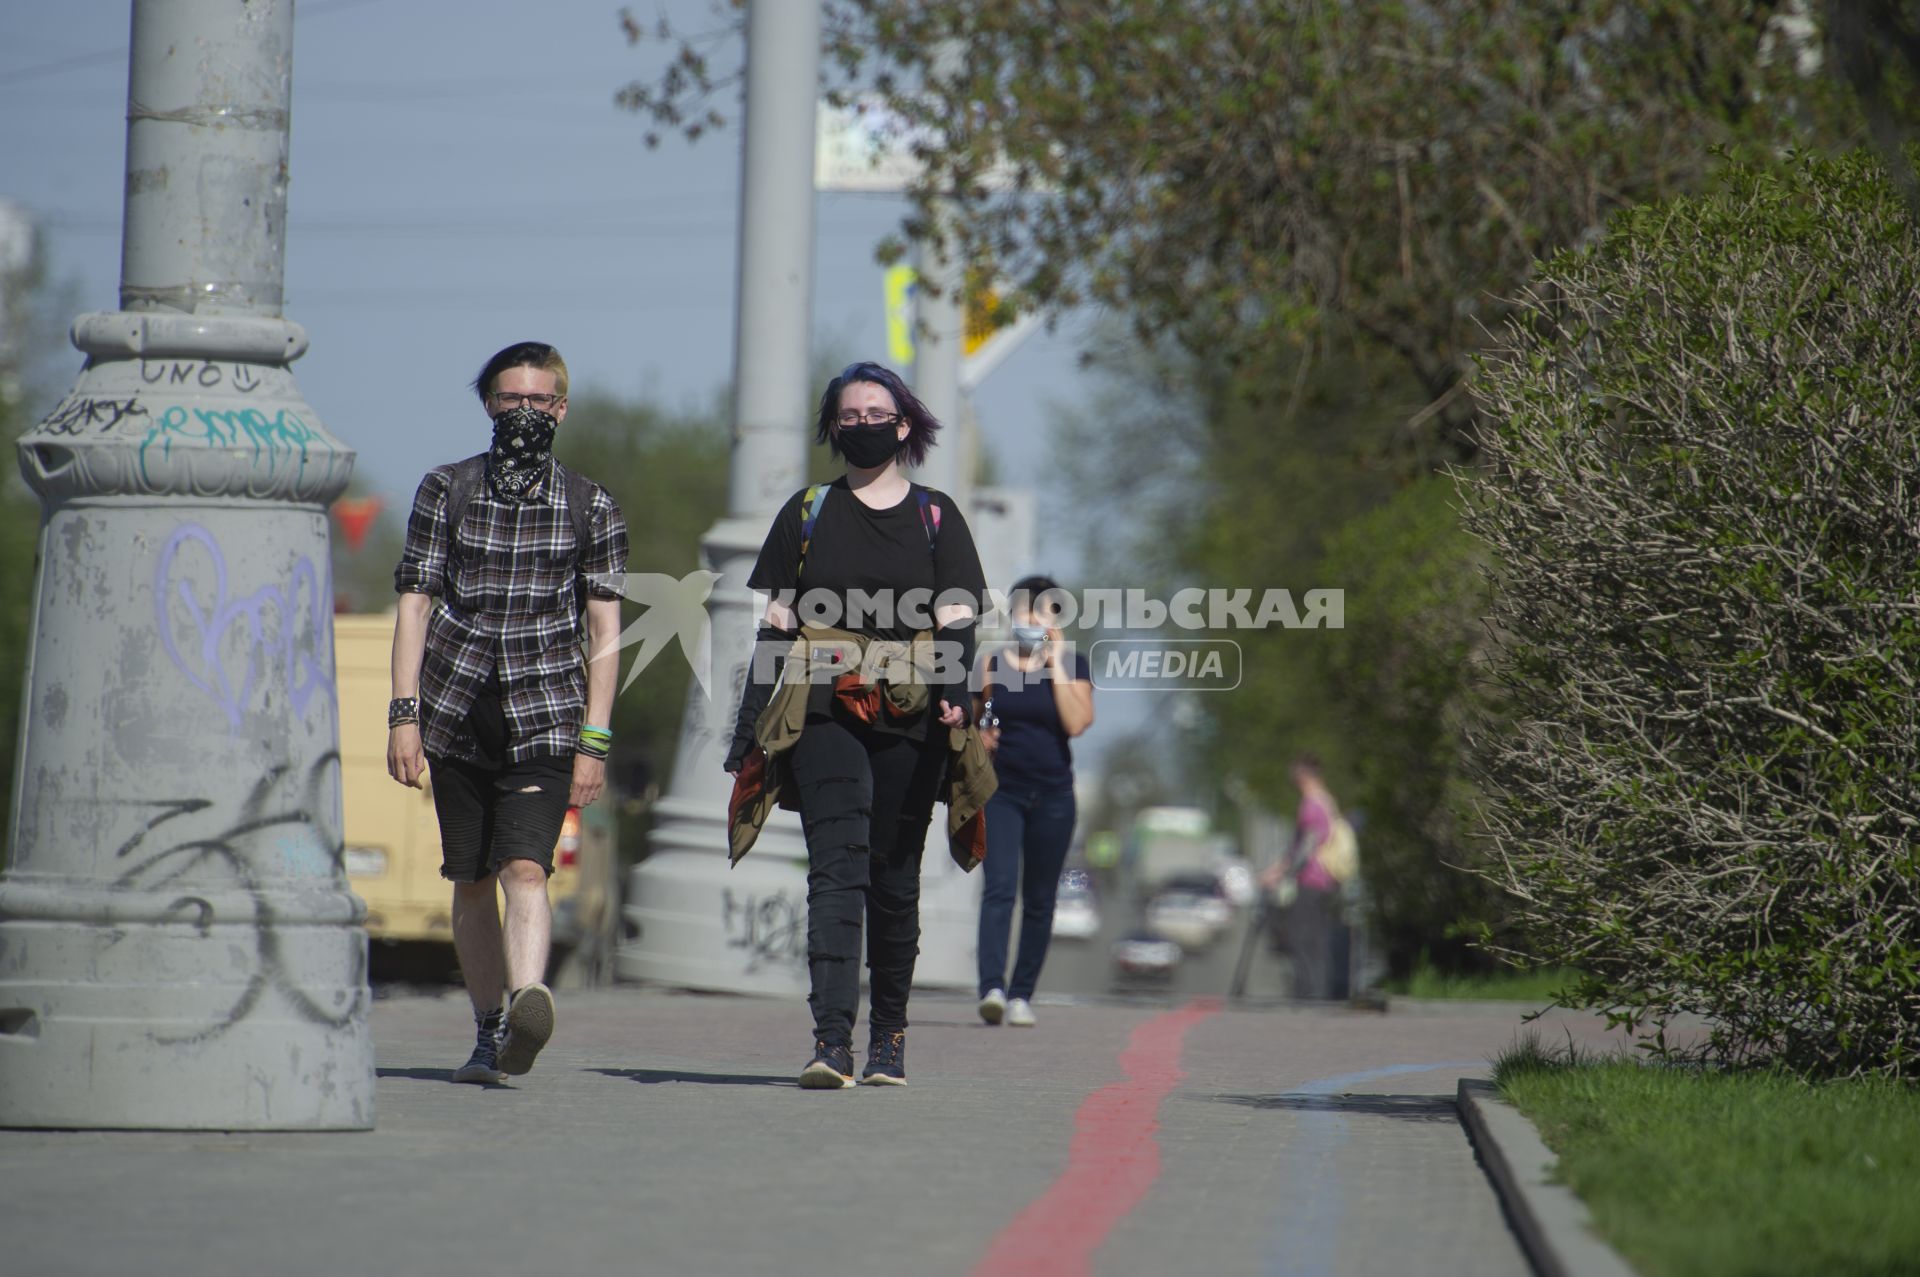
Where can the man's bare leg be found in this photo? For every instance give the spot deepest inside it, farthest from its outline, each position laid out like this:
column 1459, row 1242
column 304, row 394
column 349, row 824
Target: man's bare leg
column 529, row 923
column 476, row 940
column 529, row 927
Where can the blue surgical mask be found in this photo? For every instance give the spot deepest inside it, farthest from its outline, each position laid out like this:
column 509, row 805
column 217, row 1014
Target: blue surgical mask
column 1029, row 636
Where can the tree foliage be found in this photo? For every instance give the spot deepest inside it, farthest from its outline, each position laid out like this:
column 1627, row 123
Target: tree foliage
column 1405, row 676
column 1189, row 474
column 1238, row 173
column 668, row 473
column 1703, row 521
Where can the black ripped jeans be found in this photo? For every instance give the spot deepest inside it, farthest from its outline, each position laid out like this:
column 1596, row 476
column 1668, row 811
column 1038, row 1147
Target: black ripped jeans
column 865, row 800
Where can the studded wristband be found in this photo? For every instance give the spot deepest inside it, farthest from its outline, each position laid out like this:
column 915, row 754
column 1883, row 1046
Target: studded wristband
column 402, row 710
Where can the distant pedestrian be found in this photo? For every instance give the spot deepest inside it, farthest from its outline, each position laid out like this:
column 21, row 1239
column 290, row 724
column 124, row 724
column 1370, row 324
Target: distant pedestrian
column 1036, row 696
column 1319, row 860
column 863, row 754
column 505, row 551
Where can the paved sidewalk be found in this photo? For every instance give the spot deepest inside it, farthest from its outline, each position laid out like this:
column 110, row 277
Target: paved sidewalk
column 661, row 1134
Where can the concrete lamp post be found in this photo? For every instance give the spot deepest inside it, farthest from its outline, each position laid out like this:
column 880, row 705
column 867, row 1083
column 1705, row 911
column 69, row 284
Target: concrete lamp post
column 178, row 944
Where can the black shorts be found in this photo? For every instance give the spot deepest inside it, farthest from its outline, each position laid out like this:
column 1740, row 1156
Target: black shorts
column 492, row 810
column 490, row 815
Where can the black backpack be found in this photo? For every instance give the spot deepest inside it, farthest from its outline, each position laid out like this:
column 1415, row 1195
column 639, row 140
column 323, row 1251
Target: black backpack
column 467, row 477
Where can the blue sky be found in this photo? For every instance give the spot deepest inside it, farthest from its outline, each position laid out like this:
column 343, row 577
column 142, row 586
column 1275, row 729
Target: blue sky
column 461, row 179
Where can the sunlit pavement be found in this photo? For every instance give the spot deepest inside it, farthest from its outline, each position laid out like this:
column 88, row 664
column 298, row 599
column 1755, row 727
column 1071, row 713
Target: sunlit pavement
column 662, row 1133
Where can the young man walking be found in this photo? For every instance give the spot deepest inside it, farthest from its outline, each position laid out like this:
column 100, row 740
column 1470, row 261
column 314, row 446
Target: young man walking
column 511, row 560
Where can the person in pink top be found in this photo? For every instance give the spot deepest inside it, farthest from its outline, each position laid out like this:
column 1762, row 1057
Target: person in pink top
column 1313, row 927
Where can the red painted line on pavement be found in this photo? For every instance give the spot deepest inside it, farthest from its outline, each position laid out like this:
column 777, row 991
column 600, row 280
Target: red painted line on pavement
column 1113, row 1161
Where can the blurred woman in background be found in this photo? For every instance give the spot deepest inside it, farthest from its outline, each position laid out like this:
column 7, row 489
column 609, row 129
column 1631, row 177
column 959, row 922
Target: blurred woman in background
column 1317, row 863
column 1036, row 696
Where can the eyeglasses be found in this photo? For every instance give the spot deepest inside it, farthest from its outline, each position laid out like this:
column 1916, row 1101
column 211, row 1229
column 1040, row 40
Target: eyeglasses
column 874, row 420
column 508, row 400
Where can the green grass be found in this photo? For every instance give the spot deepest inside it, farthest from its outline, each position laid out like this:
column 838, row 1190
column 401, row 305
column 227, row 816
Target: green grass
column 1512, row 985
column 1707, row 1174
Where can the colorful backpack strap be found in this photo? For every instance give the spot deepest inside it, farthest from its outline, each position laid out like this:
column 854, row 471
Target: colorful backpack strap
column 929, row 516
column 809, row 516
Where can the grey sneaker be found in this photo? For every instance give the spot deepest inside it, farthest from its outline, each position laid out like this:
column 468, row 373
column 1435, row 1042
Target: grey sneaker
column 483, row 1066
column 529, row 1025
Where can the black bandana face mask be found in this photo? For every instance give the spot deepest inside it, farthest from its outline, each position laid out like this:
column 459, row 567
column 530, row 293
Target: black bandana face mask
column 868, row 447
column 522, row 446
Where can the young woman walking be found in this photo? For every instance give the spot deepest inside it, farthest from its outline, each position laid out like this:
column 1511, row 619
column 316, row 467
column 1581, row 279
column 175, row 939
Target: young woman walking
column 868, row 571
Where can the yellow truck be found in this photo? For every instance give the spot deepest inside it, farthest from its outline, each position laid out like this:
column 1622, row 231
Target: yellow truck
column 393, row 841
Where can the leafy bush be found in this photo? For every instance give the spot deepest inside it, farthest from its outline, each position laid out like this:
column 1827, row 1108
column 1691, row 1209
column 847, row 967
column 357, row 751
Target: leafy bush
column 1705, row 514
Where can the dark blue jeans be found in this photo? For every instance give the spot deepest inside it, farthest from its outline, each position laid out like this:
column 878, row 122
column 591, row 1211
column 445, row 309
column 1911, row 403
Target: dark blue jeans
column 1027, row 835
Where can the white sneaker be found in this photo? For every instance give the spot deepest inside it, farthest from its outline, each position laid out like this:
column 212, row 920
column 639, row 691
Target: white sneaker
column 1020, row 1013
column 993, row 1006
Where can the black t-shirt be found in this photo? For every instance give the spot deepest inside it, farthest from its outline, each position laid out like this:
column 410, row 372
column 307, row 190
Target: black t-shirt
column 871, row 571
column 1034, row 748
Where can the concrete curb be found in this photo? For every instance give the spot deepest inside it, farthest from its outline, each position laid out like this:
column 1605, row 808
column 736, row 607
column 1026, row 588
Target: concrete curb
column 1555, row 1227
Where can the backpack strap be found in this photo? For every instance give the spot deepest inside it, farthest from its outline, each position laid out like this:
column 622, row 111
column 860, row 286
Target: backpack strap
column 580, row 511
column 929, row 517
column 461, row 488
column 580, row 508
column 817, row 496
column 809, row 516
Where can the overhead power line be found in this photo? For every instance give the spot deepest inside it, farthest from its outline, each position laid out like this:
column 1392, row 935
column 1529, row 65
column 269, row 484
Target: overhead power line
column 79, row 61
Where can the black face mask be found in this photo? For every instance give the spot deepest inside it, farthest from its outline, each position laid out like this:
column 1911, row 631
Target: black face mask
column 867, row 448
column 522, row 446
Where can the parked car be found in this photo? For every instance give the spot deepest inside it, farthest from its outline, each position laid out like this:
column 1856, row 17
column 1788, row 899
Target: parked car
column 1166, row 842
column 1189, row 909
column 1238, row 882
column 1076, row 916
column 1140, row 957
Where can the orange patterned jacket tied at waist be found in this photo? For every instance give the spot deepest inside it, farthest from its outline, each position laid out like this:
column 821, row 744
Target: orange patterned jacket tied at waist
column 877, row 679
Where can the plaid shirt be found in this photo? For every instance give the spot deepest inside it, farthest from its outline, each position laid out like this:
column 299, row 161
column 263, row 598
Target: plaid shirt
column 507, row 603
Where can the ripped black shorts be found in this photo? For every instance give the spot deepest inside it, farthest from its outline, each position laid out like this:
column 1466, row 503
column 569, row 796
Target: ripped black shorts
column 490, row 815
column 492, row 810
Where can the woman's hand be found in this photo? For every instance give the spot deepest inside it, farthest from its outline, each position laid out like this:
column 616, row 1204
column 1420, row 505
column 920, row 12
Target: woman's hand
column 406, row 760
column 990, row 737
column 589, row 778
column 952, row 715
column 1071, row 697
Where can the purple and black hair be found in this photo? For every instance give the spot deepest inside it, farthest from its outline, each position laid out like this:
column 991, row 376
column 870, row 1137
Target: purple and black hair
column 921, row 424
